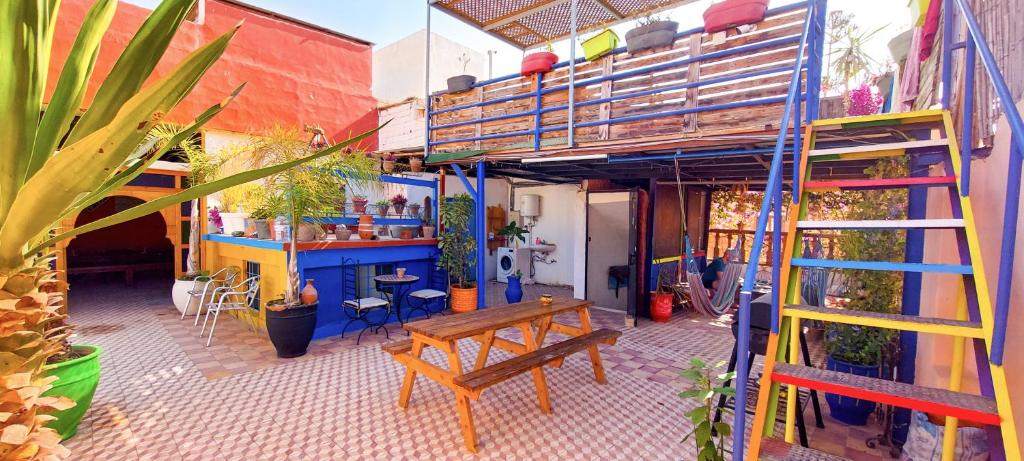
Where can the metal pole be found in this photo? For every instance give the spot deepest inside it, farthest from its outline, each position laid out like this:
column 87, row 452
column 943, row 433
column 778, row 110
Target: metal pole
column 947, row 52
column 490, row 63
column 426, row 86
column 573, row 12
column 967, row 131
column 481, row 236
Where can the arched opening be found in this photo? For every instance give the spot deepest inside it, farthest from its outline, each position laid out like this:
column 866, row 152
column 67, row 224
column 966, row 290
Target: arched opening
column 122, row 253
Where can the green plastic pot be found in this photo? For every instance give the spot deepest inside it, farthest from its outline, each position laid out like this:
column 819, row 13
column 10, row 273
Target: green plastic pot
column 600, row 44
column 78, row 380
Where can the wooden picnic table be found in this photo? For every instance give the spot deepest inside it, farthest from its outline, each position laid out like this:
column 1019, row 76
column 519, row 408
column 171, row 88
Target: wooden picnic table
column 533, row 319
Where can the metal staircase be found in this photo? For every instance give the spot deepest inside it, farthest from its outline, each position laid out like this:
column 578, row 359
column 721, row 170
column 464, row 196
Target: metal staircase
column 870, row 138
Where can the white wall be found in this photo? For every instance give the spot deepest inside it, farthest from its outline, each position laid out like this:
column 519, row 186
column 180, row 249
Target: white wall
column 406, row 123
column 562, row 221
column 398, row 68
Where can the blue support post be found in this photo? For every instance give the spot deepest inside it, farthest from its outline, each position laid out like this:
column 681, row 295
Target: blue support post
column 465, row 181
column 537, row 112
column 776, row 257
column 481, row 236
column 947, row 52
column 911, row 302
column 967, row 130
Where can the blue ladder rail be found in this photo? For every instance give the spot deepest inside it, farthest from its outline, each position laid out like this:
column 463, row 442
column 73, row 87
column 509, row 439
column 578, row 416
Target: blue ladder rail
column 976, row 46
column 811, row 36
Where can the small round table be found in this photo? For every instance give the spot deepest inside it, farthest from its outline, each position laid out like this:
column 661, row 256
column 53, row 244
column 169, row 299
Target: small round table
column 396, row 289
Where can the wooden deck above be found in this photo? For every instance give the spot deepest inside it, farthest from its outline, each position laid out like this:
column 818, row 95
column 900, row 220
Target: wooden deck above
column 716, row 91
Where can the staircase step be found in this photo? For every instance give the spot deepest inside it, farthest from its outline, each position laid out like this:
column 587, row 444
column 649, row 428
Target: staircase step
column 778, row 450
column 939, row 401
column 884, row 266
column 866, row 151
column 892, row 118
column 883, row 320
column 884, row 224
column 875, row 184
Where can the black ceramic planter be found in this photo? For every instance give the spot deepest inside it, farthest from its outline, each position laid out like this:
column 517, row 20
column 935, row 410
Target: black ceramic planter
column 460, row 83
column 654, row 35
column 291, row 329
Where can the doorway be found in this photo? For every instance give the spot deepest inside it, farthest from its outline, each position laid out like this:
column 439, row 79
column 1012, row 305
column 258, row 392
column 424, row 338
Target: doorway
column 611, row 262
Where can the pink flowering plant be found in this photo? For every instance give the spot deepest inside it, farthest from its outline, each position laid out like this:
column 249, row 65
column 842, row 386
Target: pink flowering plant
column 864, row 100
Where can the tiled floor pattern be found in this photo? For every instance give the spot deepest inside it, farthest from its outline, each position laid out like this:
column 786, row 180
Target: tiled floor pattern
column 165, row 396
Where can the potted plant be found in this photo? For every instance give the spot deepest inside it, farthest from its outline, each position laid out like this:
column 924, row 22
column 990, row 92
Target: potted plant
column 661, row 300
column 707, row 385
column 651, row 31
column 514, row 290
column 382, row 206
column 388, row 162
column 513, row 234
column 541, row 61
column 359, row 203
column 215, row 224
column 428, row 225
column 305, row 196
column 235, row 203
column 415, row 164
column 398, row 204
column 856, row 350
column 262, row 215
column 98, row 154
column 460, row 83
column 458, row 251
column 414, row 209
column 733, row 13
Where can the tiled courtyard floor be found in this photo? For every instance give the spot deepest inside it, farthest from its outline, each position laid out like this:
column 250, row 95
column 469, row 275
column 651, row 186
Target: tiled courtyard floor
column 165, row 396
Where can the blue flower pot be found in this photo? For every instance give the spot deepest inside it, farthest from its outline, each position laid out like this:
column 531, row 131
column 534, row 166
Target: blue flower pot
column 514, row 291
column 847, row 409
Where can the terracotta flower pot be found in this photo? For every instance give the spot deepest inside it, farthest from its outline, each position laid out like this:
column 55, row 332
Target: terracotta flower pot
column 415, row 164
column 399, row 209
column 366, row 227
column 306, row 233
column 388, row 166
column 342, row 233
column 463, row 299
column 405, row 233
column 309, row 294
column 428, row 231
column 414, row 209
column 382, row 211
column 359, row 204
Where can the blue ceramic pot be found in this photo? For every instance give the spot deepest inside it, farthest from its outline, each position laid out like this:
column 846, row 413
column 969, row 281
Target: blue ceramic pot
column 514, row 291
column 847, row 409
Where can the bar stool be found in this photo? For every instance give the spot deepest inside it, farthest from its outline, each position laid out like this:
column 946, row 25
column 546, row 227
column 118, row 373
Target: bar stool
column 760, row 328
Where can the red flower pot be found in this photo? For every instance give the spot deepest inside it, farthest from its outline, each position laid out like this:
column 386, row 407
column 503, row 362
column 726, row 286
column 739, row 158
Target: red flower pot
column 732, row 13
column 661, row 306
column 538, row 62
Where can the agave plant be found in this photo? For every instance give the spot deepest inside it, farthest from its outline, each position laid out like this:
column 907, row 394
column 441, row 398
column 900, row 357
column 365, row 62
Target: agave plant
column 52, row 166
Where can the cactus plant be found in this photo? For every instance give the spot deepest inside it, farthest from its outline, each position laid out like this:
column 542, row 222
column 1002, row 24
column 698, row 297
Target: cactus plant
column 101, row 152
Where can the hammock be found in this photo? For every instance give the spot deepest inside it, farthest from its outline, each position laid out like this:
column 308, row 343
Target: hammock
column 725, row 296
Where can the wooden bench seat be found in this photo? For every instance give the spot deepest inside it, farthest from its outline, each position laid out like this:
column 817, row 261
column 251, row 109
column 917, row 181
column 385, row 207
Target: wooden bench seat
column 397, row 347
column 483, row 378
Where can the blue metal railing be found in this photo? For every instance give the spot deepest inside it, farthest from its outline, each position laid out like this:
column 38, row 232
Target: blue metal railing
column 976, row 46
column 772, row 203
column 538, row 109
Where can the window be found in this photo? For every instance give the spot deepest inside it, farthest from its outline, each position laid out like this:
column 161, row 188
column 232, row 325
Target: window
column 252, row 269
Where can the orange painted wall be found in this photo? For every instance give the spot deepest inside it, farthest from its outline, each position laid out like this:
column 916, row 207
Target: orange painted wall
column 939, row 292
column 296, row 75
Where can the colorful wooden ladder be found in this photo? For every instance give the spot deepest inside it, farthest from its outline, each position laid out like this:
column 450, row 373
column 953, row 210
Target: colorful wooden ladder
column 974, row 317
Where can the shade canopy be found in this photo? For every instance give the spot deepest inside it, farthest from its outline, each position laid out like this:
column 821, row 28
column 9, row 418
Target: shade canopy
column 528, row 23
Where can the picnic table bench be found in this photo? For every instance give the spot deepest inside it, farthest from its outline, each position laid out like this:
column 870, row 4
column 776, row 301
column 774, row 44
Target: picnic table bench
column 533, row 319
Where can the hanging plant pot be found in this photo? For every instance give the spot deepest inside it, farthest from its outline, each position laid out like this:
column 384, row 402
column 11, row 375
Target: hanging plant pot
column 848, row 409
column 414, row 209
column 653, row 35
column 291, row 329
column 460, row 83
column 733, row 13
column 600, row 44
column 538, row 62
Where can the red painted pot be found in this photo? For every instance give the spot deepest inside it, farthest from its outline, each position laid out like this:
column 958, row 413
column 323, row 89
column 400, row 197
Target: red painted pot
column 661, row 306
column 732, row 13
column 538, row 62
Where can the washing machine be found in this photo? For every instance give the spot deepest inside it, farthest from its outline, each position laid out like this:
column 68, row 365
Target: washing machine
column 506, row 263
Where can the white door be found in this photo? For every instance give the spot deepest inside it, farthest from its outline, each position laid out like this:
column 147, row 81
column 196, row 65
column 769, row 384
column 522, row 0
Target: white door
column 608, row 249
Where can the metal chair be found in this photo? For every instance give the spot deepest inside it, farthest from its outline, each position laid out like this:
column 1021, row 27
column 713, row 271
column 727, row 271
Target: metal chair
column 421, row 300
column 239, row 297
column 357, row 308
column 223, row 277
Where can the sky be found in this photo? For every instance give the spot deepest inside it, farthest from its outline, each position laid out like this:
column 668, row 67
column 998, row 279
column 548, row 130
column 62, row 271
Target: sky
column 386, row 21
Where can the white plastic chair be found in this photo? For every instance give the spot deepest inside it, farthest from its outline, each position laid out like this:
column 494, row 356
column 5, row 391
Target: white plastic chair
column 205, row 284
column 239, row 297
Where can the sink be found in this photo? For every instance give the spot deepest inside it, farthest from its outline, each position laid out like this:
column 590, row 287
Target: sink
column 542, row 248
